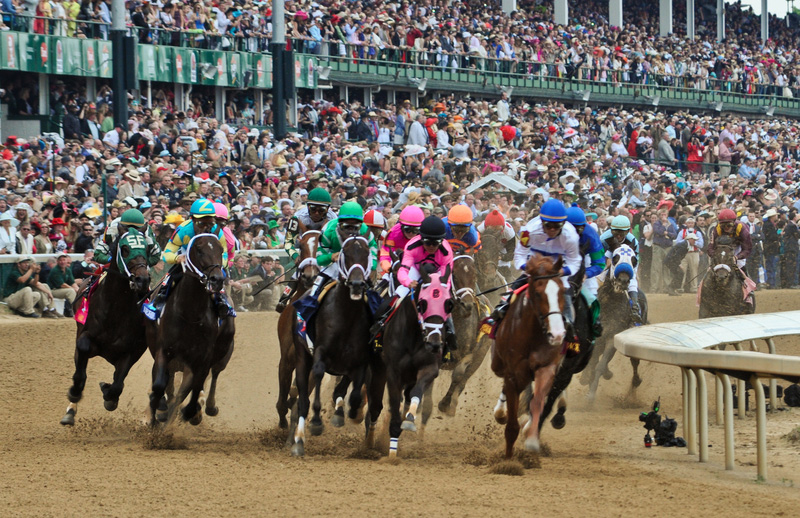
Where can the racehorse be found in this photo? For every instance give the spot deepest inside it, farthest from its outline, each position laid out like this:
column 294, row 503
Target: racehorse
column 486, row 261
column 188, row 334
column 307, row 244
column 528, row 347
column 412, row 350
column 721, row 291
column 615, row 306
column 337, row 342
column 468, row 311
column 113, row 327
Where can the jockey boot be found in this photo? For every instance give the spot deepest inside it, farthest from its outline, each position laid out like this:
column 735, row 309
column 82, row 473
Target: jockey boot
column 499, row 312
column 319, row 282
column 636, row 312
column 383, row 315
column 286, row 296
column 450, row 342
column 224, row 308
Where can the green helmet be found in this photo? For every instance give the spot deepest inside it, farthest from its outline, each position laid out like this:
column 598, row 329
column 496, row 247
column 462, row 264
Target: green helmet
column 320, row 196
column 620, row 223
column 351, row 210
column 132, row 218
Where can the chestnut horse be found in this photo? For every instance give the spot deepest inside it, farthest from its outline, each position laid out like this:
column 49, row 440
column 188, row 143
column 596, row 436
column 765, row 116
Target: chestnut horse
column 529, row 347
column 308, row 244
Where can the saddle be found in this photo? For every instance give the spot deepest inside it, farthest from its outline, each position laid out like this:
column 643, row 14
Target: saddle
column 85, row 292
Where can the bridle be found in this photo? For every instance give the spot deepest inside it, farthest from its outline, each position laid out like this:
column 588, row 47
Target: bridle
column 344, row 270
column 311, row 260
column 462, row 293
column 543, row 318
column 120, row 260
column 189, row 266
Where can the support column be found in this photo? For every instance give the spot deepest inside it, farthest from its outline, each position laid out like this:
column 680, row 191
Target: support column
column 720, row 20
column 509, row 6
column 561, row 12
column 690, row 19
column 219, row 104
column 615, row 13
column 91, row 88
column 765, row 20
column 177, row 90
column 118, row 63
column 44, row 94
column 664, row 17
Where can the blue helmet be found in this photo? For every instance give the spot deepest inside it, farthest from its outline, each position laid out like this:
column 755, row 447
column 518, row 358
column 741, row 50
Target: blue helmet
column 202, row 208
column 553, row 210
column 576, row 216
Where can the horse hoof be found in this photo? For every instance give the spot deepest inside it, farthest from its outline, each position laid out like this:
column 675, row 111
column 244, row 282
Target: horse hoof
column 197, row 419
column 558, row 421
column 408, row 426
column 161, row 417
column 283, row 423
column 449, row 410
column 69, row 418
column 316, row 429
column 500, row 417
column 532, row 444
column 636, row 381
column 298, row 450
column 162, row 404
column 337, row 420
column 110, row 405
column 607, row 375
column 212, row 410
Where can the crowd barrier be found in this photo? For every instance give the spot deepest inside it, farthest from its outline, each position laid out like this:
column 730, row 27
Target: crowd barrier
column 698, row 346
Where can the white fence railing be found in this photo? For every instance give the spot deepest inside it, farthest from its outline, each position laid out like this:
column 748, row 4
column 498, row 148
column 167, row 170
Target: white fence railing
column 698, row 346
column 42, row 258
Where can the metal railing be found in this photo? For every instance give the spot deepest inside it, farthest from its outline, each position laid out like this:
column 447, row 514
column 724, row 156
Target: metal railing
column 698, row 346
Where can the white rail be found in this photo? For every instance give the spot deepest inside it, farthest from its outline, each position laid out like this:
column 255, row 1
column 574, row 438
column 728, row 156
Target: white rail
column 42, row 258
column 698, row 346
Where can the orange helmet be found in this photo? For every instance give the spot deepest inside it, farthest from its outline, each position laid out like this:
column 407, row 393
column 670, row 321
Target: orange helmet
column 459, row 215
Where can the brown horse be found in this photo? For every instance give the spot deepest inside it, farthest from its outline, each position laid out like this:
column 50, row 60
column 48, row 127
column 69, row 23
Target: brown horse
column 528, row 347
column 308, row 243
column 721, row 291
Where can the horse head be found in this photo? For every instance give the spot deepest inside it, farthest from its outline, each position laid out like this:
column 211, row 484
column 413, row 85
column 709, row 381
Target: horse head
column 546, row 293
column 434, row 305
column 464, row 279
column 204, row 261
column 723, row 262
column 489, row 255
column 623, row 268
column 355, row 263
column 307, row 260
column 131, row 260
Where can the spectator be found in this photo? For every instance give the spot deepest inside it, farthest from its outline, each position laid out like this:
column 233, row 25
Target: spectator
column 62, row 283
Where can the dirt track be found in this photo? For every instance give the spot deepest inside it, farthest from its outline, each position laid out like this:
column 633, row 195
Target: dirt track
column 235, row 463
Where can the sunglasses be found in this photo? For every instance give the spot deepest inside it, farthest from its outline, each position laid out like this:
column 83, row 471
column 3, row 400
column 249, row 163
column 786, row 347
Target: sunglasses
column 410, row 230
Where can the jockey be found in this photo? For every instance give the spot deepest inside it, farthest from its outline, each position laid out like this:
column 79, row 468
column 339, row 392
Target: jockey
column 377, row 225
column 350, row 223
column 741, row 242
column 129, row 218
column 314, row 216
column 221, row 215
column 202, row 221
column 591, row 250
column 398, row 237
column 551, row 235
column 430, row 247
column 620, row 234
column 460, row 230
column 495, row 219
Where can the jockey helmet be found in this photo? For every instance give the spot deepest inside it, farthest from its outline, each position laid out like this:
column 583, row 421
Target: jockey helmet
column 727, row 215
column 221, row 211
column 374, row 218
column 459, row 215
column 553, row 210
column 351, row 210
column 411, row 216
column 132, row 218
column 576, row 216
column 319, row 196
column 494, row 219
column 620, row 223
column 432, row 228
column 202, row 208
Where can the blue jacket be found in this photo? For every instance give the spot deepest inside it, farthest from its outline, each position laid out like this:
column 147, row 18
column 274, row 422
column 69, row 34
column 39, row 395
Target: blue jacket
column 471, row 238
column 591, row 245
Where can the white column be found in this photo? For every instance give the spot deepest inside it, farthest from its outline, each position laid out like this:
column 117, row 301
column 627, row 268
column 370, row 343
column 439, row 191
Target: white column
column 765, row 21
column 690, row 19
column 664, row 17
column 561, row 12
column 720, row 20
column 219, row 103
column 615, row 13
column 509, row 6
column 44, row 95
column 91, row 88
column 177, row 90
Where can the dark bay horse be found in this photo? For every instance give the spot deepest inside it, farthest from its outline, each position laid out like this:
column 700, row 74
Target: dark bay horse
column 338, row 343
column 528, row 348
column 188, row 336
column 412, row 351
column 308, row 243
column 615, row 306
column 114, row 327
column 721, row 292
column 468, row 310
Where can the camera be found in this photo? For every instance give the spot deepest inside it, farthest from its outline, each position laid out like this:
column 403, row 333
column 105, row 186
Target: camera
column 652, row 422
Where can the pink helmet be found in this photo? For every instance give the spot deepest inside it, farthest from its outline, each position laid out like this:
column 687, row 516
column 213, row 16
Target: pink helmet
column 220, row 211
column 412, row 216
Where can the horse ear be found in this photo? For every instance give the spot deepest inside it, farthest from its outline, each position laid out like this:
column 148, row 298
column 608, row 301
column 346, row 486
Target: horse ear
column 615, row 260
column 559, row 264
column 634, row 261
column 125, row 250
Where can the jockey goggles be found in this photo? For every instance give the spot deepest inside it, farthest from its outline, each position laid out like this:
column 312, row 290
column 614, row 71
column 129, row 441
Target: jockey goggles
column 432, row 242
column 553, row 225
column 408, row 229
column 350, row 228
column 313, row 207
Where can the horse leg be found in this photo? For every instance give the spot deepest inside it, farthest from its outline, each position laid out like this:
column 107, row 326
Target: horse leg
column 556, row 395
column 395, row 428
column 162, row 414
column 601, row 371
column 183, row 391
column 543, row 382
column 355, row 413
column 339, row 392
column 316, row 426
column 472, row 362
column 301, row 379
column 285, row 371
column 427, row 404
column 112, row 392
column 636, row 381
column 376, row 384
column 192, row 412
column 512, row 423
column 501, row 409
column 75, row 392
column 425, row 377
column 588, row 372
column 159, row 383
column 225, row 345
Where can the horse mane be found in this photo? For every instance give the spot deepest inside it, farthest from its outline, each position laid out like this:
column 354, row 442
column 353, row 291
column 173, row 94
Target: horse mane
column 539, row 265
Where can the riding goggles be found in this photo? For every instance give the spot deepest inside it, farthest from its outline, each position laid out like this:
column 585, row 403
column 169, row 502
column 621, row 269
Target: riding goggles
column 350, row 228
column 432, row 242
column 317, row 208
column 553, row 225
column 408, row 229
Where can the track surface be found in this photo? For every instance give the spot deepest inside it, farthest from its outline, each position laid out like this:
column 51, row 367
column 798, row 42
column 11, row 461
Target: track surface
column 235, row 463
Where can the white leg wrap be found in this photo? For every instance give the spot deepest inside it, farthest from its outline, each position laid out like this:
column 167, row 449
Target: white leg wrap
column 339, row 402
column 300, row 433
column 393, row 447
column 414, row 405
